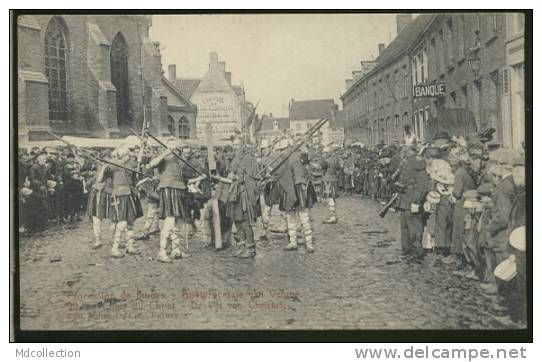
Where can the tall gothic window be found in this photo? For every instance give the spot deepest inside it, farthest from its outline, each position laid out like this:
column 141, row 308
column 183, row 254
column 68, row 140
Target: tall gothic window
column 184, row 128
column 119, row 78
column 171, row 125
column 55, row 69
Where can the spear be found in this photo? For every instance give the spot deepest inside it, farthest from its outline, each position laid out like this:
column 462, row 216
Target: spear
column 96, row 158
column 180, row 158
column 306, row 136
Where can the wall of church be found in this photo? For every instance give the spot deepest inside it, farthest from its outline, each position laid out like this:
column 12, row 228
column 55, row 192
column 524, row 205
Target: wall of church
column 91, row 97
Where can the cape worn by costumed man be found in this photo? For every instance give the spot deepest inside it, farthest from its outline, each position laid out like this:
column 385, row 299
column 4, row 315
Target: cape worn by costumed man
column 242, row 196
column 297, row 192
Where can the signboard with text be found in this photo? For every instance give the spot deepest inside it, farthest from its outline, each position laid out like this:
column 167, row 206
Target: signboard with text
column 219, row 111
column 429, row 90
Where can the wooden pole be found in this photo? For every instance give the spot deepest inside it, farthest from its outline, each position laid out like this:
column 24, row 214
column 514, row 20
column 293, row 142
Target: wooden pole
column 214, row 198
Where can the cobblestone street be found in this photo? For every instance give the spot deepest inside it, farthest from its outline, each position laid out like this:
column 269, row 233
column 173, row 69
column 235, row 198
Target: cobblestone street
column 354, row 280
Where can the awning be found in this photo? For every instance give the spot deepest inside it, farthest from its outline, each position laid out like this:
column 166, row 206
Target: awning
column 111, row 143
column 456, row 121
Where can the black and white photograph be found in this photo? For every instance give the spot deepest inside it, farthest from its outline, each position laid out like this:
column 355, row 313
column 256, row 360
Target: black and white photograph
column 238, row 171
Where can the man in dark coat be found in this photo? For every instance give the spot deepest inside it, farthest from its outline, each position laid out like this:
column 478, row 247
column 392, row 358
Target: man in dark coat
column 415, row 184
column 466, row 176
column 242, row 197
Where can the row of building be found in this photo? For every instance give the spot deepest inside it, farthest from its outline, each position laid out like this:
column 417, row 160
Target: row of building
column 456, row 72
column 101, row 76
column 302, row 115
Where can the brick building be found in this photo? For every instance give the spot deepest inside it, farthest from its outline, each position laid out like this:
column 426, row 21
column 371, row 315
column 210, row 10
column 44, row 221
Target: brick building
column 90, row 75
column 218, row 101
column 443, row 54
column 377, row 103
column 475, row 59
column 181, row 120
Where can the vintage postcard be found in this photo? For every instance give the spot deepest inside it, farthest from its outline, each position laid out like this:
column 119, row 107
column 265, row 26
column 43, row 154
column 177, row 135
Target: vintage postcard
column 266, row 171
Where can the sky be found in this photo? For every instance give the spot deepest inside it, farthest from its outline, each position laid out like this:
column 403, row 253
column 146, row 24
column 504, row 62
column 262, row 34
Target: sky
column 278, row 57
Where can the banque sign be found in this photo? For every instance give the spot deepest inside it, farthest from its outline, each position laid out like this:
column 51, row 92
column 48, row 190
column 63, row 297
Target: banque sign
column 429, row 90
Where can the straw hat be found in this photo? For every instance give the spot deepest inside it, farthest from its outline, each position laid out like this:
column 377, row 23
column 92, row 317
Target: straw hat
column 507, row 269
column 441, row 171
column 517, row 238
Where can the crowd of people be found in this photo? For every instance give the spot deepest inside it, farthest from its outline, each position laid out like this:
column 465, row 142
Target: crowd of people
column 460, row 198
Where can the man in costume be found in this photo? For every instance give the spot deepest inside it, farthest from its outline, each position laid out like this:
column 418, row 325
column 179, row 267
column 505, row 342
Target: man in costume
column 173, row 205
column 242, row 198
column 297, row 196
column 125, row 206
column 99, row 202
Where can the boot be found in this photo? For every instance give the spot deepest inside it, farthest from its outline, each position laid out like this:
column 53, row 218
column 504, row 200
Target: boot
column 96, row 228
column 176, row 253
column 131, row 249
column 291, row 246
column 331, row 220
column 241, row 250
column 97, row 244
column 250, row 252
column 130, row 244
column 163, row 258
column 115, row 253
column 310, row 247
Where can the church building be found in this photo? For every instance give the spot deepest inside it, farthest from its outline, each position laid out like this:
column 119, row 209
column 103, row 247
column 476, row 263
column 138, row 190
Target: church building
column 94, row 76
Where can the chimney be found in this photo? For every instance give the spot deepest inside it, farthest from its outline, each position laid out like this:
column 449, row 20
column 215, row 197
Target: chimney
column 271, row 115
column 172, row 72
column 349, row 83
column 381, row 48
column 402, row 20
column 213, row 60
column 291, row 102
column 222, row 67
column 228, row 77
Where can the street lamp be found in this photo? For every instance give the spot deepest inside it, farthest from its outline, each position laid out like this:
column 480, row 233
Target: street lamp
column 475, row 64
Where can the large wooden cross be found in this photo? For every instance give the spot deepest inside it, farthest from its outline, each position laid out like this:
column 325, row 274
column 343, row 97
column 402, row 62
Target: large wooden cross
column 214, row 197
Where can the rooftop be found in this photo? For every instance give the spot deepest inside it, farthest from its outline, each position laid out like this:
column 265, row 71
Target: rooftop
column 311, row 109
